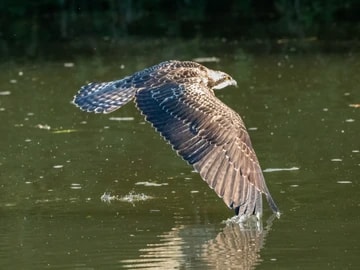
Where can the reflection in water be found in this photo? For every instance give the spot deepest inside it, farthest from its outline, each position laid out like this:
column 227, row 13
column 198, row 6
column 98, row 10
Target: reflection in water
column 237, row 246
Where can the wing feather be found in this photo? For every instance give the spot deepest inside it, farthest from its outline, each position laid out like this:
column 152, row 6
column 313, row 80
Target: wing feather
column 210, row 175
column 220, row 187
column 220, row 171
column 228, row 185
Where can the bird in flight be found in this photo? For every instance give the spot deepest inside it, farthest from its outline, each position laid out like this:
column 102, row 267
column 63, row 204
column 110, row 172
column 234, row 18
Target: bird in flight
column 178, row 99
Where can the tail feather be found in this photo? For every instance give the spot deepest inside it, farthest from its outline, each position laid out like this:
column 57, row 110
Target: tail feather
column 104, row 97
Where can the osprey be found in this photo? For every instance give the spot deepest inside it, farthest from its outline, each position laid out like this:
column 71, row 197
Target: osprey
column 177, row 98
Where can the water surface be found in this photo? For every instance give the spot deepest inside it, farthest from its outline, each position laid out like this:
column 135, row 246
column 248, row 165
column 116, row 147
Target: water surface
column 57, row 162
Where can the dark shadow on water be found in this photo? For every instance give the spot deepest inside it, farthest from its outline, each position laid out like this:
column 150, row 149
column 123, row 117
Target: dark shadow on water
column 236, row 246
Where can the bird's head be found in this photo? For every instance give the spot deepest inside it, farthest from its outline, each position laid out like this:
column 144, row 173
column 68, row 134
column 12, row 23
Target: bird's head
column 218, row 79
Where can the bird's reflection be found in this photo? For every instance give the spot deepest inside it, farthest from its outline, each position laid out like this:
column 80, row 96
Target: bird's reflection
column 237, row 246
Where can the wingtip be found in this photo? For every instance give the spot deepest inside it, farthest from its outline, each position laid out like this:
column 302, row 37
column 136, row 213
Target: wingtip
column 273, row 205
column 73, row 101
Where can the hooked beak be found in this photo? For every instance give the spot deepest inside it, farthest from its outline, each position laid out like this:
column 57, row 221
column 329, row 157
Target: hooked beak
column 233, row 83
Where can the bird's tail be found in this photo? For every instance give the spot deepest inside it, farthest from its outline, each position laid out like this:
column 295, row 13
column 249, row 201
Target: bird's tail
column 104, row 97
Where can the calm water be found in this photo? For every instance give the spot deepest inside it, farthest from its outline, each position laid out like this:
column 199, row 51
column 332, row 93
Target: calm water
column 57, row 162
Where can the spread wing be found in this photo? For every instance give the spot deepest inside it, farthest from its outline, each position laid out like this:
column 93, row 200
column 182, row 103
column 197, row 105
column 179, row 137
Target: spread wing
column 211, row 137
column 105, row 97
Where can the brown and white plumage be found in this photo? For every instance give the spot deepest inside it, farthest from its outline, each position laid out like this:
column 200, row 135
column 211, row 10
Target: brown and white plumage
column 177, row 98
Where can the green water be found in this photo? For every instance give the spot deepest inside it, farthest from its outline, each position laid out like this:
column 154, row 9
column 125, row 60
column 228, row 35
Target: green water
column 56, row 162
